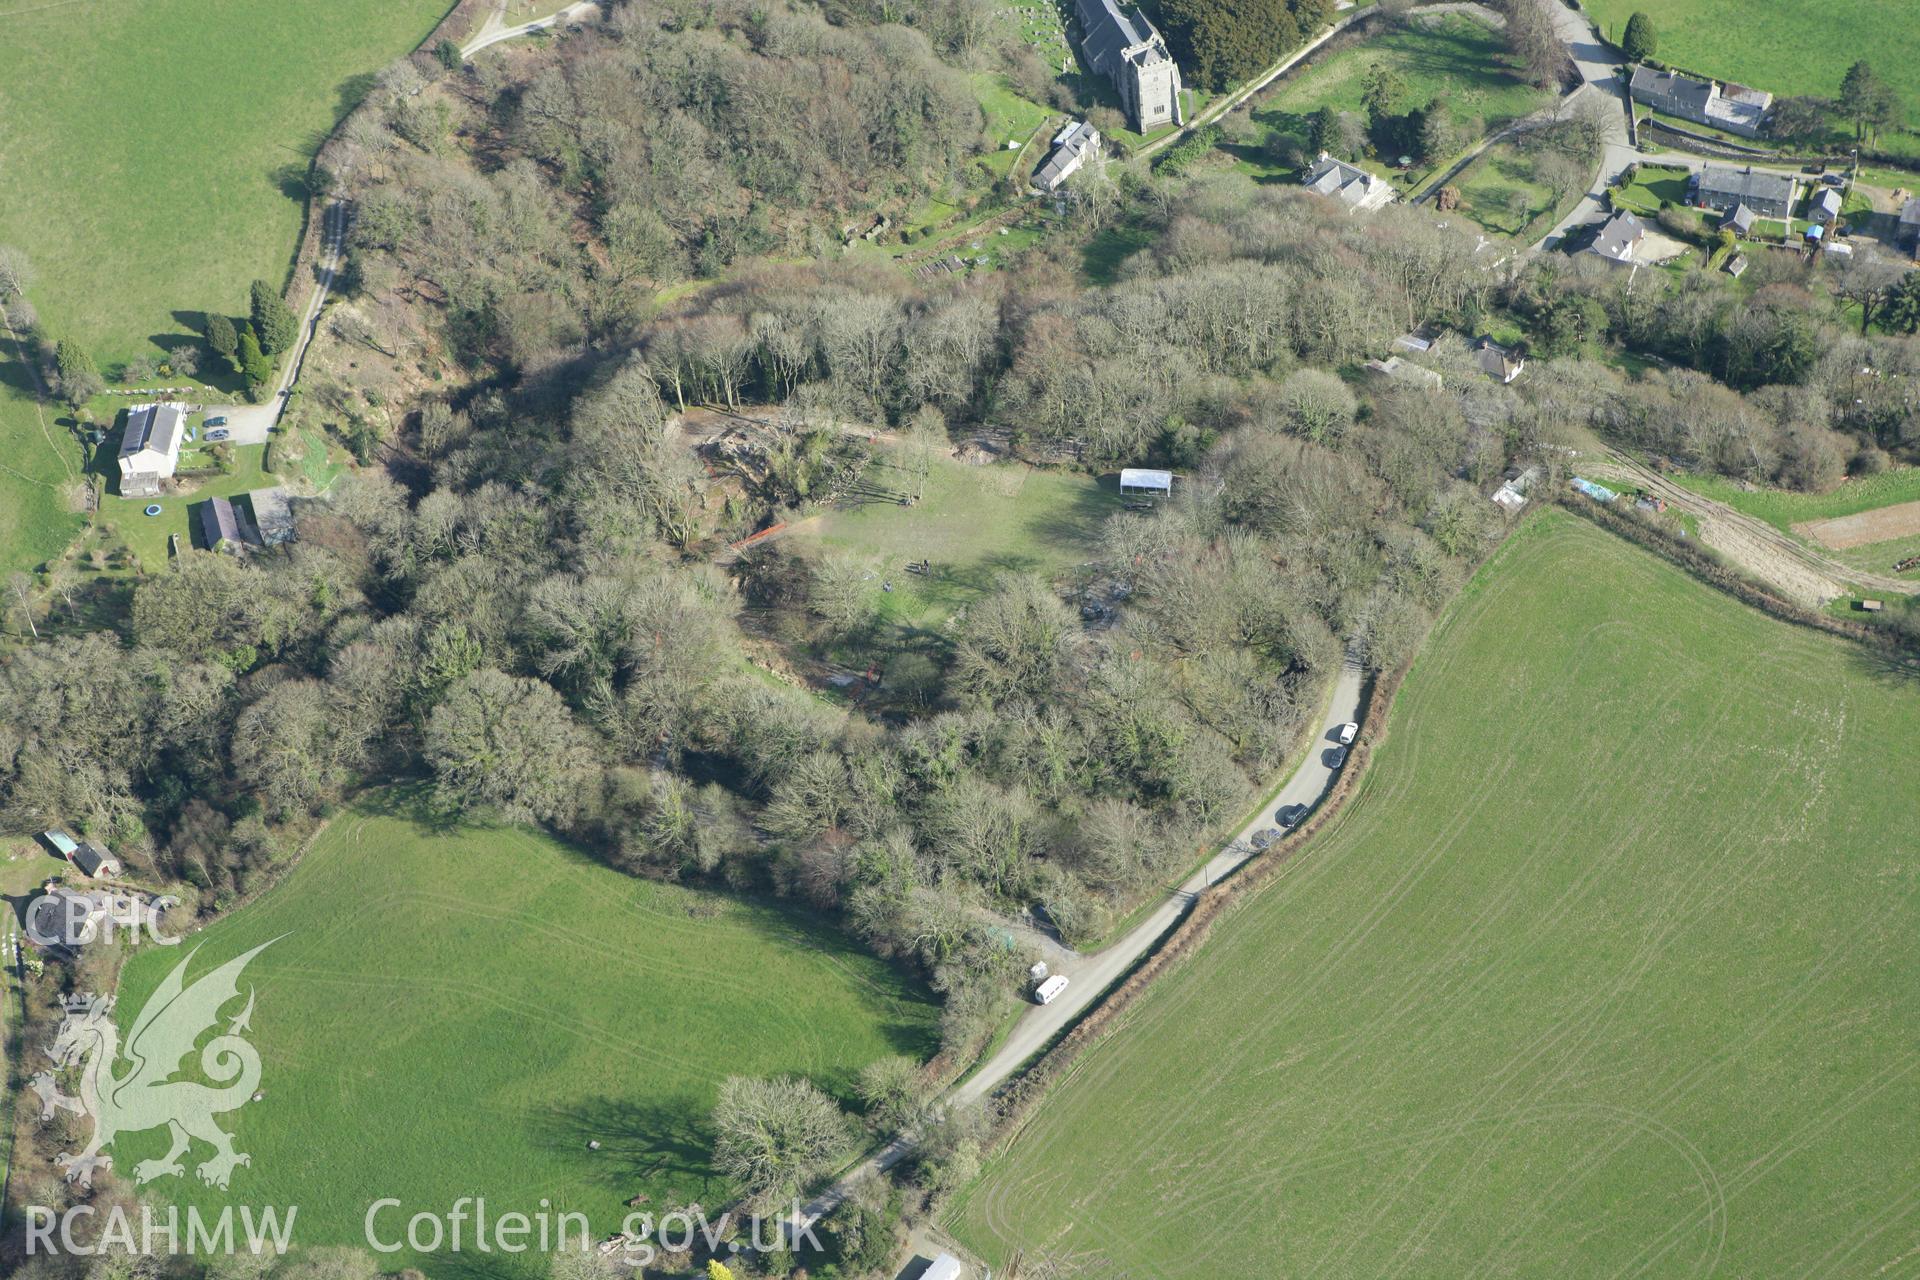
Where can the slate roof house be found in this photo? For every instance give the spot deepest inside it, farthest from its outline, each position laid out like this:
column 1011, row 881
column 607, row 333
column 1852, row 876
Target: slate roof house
column 1071, row 148
column 150, row 447
column 1119, row 43
column 1617, row 240
column 1733, row 107
column 1826, row 206
column 1739, row 220
column 223, row 524
column 1352, row 186
column 1723, row 187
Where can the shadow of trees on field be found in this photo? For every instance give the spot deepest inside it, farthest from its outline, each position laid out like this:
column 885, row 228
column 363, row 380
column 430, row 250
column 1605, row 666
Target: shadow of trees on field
column 664, row 1144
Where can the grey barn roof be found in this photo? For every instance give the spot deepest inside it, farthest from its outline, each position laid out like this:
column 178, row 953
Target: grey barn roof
column 219, row 522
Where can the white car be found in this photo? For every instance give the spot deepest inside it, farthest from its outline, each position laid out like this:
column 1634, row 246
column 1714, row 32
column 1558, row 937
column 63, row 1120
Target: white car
column 1346, row 732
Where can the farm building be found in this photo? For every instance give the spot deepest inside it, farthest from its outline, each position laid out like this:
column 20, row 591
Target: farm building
column 1118, row 42
column 944, row 1267
column 1072, row 147
column 94, row 861
column 1353, row 186
column 1732, row 107
column 150, row 447
column 1723, row 187
column 1826, row 206
column 1910, row 223
column 1618, row 238
column 1137, row 480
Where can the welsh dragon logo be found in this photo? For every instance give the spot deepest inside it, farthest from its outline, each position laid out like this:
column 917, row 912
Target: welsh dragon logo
column 145, row 1095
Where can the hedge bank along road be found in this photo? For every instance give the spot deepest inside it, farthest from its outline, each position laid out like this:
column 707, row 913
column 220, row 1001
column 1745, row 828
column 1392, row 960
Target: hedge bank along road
column 1089, row 977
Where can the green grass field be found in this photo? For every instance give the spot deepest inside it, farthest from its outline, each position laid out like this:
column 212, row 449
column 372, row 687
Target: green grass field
column 1783, row 46
column 153, row 153
column 1500, row 193
column 1454, row 55
column 1783, row 508
column 40, row 465
column 460, row 1013
column 974, row 523
column 1606, row 971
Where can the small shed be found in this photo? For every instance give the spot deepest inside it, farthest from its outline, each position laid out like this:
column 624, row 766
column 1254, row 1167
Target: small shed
column 1136, row 480
column 95, row 861
column 1871, row 606
column 60, row 842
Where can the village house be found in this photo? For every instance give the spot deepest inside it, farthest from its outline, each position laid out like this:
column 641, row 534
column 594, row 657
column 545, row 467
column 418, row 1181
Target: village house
column 1733, row 107
column 1618, row 238
column 1119, row 43
column 223, row 524
column 1826, row 206
column 1722, row 188
column 1496, row 361
column 1349, row 184
column 1739, row 220
column 150, row 447
column 1072, row 147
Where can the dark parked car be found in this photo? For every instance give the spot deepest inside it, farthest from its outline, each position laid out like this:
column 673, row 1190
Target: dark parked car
column 214, row 422
column 219, row 433
column 1289, row 815
column 1336, row 756
column 1833, row 179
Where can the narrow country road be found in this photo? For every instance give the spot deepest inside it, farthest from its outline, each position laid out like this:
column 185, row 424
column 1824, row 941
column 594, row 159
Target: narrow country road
column 1599, row 68
column 1090, row 977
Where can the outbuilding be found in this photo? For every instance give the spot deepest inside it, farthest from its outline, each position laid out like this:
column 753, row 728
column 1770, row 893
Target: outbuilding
column 94, row 861
column 944, row 1267
column 1137, row 480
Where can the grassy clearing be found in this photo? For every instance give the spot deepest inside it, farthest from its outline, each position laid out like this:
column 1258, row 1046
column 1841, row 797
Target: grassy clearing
column 1454, row 56
column 974, row 524
column 154, row 153
column 1783, row 509
column 1500, row 193
column 1606, row 971
column 459, row 1013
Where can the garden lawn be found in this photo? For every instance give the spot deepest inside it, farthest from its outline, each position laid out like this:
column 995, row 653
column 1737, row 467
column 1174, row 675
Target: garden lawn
column 974, row 524
column 153, row 154
column 1452, row 55
column 448, row 1013
column 1606, row 970
column 1653, row 188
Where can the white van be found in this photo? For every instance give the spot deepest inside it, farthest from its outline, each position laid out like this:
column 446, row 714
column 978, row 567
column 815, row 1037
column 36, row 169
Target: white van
column 1046, row 991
